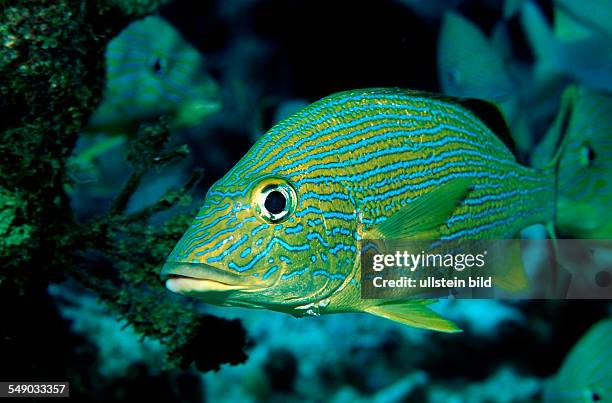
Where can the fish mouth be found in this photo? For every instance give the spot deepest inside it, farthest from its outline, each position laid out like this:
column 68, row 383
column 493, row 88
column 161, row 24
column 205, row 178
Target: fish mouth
column 198, row 278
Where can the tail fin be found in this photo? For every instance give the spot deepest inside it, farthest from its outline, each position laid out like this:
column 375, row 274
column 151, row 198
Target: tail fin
column 578, row 147
column 586, row 373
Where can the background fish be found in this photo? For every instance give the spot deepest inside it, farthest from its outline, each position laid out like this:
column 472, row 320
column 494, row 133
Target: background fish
column 594, row 14
column 567, row 28
column 586, row 373
column 151, row 70
column 281, row 229
column 468, row 64
column 584, row 188
column 586, row 60
column 472, row 65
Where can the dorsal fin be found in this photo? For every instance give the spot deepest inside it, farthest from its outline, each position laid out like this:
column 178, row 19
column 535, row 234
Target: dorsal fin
column 492, row 117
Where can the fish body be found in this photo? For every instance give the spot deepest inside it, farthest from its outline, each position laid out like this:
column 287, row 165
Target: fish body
column 281, row 229
column 586, row 372
column 151, row 70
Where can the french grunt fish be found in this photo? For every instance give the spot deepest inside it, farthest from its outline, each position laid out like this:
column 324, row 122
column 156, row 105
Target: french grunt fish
column 281, row 230
column 151, row 70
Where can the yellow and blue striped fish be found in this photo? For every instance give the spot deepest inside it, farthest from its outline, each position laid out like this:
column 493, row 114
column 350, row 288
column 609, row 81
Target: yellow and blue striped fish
column 281, row 229
column 151, row 70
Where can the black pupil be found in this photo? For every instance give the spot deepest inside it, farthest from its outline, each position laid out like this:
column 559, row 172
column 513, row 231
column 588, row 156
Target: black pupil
column 275, row 202
column 157, row 67
column 590, row 154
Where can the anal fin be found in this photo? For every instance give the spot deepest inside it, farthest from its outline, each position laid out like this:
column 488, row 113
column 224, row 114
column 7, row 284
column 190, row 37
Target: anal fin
column 414, row 313
column 509, row 270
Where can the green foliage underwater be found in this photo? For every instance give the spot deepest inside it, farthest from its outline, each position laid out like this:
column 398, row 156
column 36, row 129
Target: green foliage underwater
column 119, row 116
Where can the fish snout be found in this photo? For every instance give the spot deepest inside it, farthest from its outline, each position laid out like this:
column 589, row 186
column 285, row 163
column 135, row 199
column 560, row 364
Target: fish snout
column 198, row 278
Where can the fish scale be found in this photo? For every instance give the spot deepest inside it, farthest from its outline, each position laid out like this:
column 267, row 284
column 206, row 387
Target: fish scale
column 355, row 159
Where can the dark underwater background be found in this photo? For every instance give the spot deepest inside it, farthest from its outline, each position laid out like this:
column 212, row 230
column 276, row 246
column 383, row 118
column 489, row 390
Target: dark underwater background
column 268, row 59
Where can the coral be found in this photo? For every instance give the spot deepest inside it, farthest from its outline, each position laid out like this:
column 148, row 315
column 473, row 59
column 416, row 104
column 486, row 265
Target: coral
column 12, row 235
column 52, row 69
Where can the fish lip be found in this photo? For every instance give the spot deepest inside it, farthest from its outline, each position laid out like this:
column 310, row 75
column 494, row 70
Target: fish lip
column 204, row 272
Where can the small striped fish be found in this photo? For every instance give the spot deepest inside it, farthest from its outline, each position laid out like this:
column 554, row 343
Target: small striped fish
column 281, row 229
column 151, row 70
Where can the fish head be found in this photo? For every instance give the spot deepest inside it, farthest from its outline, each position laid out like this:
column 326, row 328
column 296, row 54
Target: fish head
column 581, row 132
column 152, row 68
column 281, row 229
column 184, row 81
column 248, row 247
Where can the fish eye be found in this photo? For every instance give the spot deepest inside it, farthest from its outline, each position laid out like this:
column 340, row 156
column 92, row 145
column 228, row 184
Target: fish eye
column 158, row 66
column 275, row 200
column 454, row 76
column 587, row 155
column 595, row 397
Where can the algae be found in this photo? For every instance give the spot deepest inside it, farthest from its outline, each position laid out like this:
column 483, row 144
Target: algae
column 52, row 69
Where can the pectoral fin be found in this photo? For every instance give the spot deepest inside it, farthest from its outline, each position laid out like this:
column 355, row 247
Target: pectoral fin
column 423, row 217
column 414, row 313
